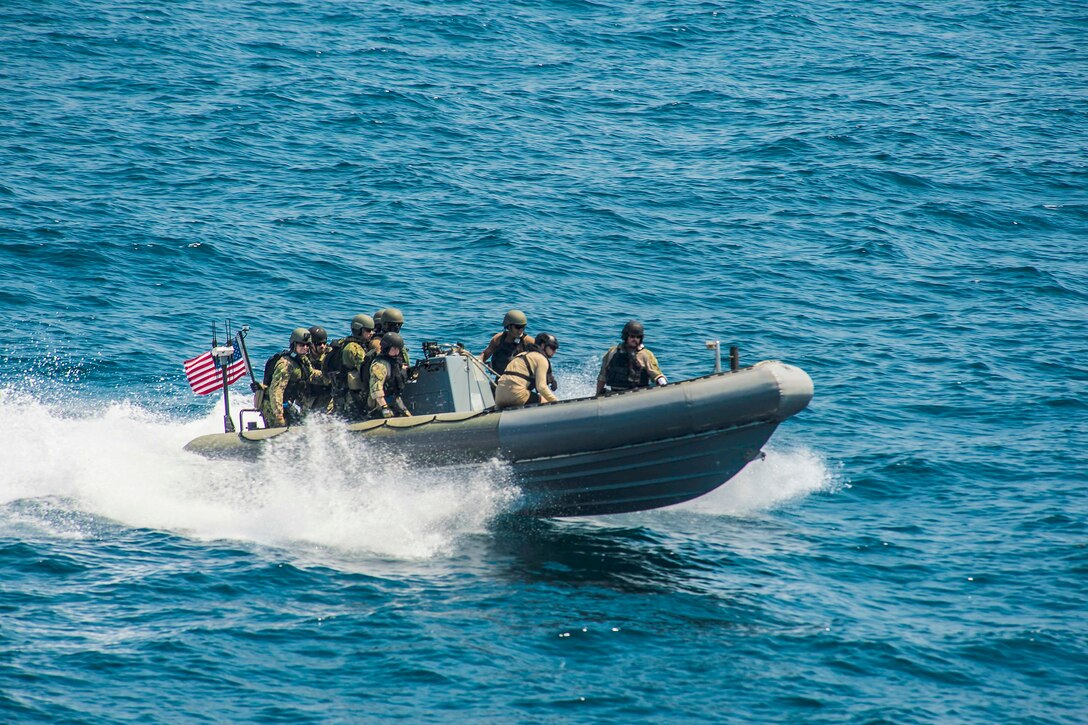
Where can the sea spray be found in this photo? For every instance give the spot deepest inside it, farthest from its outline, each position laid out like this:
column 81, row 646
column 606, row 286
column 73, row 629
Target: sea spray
column 321, row 488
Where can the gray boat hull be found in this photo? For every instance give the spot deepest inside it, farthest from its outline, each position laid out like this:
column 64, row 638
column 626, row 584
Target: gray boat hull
column 618, row 453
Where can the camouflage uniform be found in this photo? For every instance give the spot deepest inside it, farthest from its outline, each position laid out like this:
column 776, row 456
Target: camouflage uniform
column 376, row 346
column 353, row 401
column 287, row 396
column 386, row 383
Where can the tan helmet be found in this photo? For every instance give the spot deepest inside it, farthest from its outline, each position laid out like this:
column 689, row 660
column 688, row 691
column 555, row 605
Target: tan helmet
column 515, row 317
column 300, row 335
column 360, row 323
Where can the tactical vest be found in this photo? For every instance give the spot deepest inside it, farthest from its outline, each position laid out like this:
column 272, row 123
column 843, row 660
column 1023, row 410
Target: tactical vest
column 394, row 382
column 333, row 364
column 297, row 389
column 626, row 371
column 505, row 352
column 319, row 388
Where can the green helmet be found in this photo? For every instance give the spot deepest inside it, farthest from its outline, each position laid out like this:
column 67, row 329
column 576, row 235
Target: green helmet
column 546, row 340
column 391, row 340
column 300, row 335
column 515, row 317
column 318, row 336
column 392, row 314
column 378, row 316
column 633, row 327
column 360, row 323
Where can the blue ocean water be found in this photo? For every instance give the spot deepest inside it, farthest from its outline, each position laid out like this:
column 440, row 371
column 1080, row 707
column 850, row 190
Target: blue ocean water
column 889, row 195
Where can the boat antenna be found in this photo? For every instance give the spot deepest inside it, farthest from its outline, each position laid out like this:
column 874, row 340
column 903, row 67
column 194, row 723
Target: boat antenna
column 245, row 356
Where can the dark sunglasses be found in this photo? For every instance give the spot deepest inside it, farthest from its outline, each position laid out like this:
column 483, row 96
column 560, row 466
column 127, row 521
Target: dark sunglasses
column 518, row 327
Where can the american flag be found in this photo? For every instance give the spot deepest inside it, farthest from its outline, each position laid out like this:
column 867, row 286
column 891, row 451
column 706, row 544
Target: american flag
column 205, row 376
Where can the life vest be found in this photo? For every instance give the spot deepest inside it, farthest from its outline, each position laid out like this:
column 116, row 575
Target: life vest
column 626, row 371
column 505, row 352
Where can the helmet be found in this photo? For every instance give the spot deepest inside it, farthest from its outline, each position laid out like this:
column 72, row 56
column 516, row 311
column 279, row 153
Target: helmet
column 545, row 339
column 378, row 316
column 392, row 314
column 515, row 317
column 360, row 323
column 633, row 327
column 391, row 340
column 300, row 334
column 318, row 336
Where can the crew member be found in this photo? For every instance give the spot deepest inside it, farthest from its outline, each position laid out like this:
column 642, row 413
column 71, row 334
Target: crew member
column 392, row 321
column 387, row 379
column 320, row 382
column 630, row 364
column 349, row 382
column 286, row 398
column 525, row 379
column 508, row 343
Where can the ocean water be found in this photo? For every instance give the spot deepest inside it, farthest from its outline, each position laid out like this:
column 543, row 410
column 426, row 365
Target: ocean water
column 888, row 195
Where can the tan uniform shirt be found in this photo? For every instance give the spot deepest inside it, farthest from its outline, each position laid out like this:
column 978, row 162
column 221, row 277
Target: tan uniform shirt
column 513, row 389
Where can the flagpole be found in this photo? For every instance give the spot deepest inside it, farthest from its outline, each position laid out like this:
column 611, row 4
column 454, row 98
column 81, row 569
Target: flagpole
column 222, row 357
column 228, row 424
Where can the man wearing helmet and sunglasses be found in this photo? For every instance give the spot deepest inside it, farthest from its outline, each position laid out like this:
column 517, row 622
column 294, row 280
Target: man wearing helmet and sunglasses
column 387, row 379
column 348, row 368
column 508, row 343
column 392, row 320
column 525, row 380
column 630, row 364
column 287, row 393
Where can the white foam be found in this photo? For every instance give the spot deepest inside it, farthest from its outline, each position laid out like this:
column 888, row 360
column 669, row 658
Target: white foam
column 786, row 475
column 125, row 464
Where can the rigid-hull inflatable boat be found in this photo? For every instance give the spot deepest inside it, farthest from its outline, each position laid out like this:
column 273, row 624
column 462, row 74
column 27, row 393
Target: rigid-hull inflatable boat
column 615, row 453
